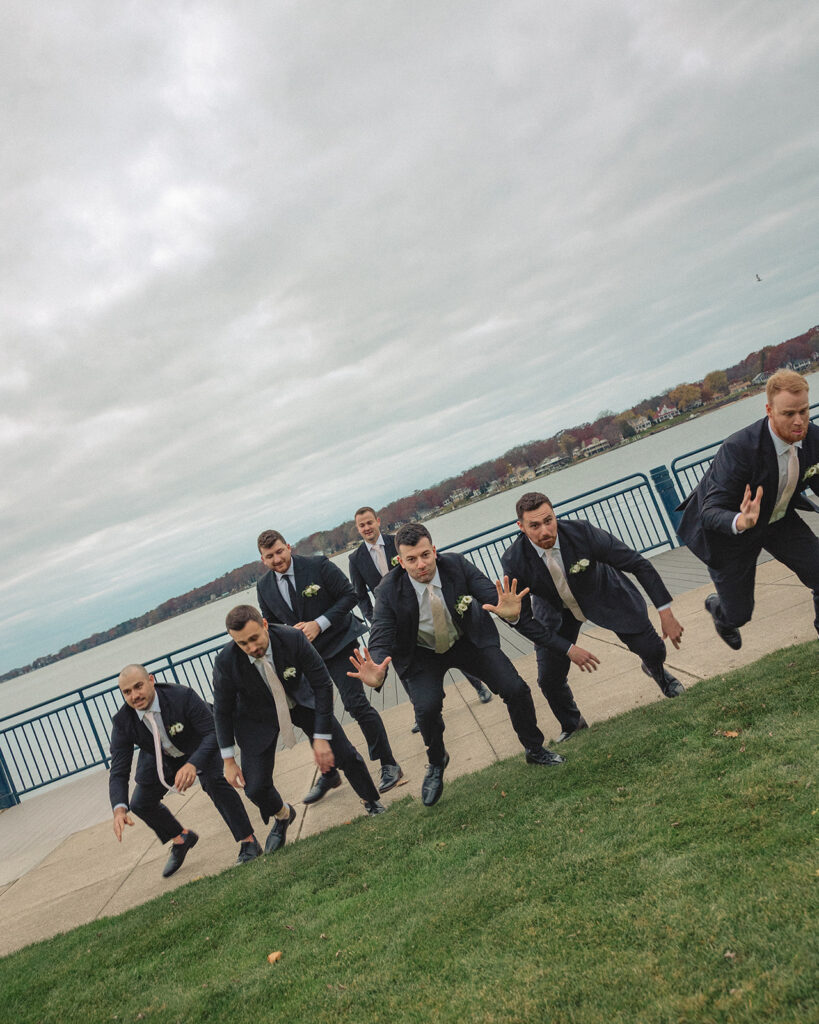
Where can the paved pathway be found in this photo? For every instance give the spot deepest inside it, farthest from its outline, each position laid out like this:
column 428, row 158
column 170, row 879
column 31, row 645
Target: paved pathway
column 62, row 867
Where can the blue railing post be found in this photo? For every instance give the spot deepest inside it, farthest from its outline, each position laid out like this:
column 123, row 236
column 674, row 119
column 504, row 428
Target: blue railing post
column 664, row 485
column 8, row 794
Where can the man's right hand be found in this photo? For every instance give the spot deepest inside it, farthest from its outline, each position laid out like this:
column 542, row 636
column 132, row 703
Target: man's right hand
column 233, row 773
column 584, row 660
column 121, row 819
column 749, row 509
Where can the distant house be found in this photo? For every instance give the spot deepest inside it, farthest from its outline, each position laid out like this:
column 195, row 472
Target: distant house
column 592, row 447
column 666, row 412
column 740, row 385
column 760, row 378
column 640, row 423
column 549, row 465
column 520, row 474
column 798, row 365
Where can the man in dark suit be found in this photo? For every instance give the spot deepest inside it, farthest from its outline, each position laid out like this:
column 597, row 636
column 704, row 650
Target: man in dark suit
column 574, row 572
column 748, row 500
column 267, row 680
column 173, row 728
column 315, row 597
column 374, row 557
column 431, row 615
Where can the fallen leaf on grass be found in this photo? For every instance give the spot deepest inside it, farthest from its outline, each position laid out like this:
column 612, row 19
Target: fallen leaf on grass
column 503, row 793
column 322, row 936
column 674, row 824
column 290, row 927
column 273, row 958
column 729, row 955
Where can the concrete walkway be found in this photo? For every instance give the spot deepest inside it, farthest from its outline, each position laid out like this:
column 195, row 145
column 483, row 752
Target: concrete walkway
column 62, row 867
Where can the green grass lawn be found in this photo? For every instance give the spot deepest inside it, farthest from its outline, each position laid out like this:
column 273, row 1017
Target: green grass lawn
column 666, row 873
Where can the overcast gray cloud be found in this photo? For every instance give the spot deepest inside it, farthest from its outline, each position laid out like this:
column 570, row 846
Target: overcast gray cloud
column 260, row 258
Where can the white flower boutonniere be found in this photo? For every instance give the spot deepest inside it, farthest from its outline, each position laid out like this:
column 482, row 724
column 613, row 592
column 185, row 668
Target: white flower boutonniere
column 311, row 591
column 811, row 471
column 463, row 602
column 394, row 561
column 175, row 728
column 580, row 566
column 289, row 673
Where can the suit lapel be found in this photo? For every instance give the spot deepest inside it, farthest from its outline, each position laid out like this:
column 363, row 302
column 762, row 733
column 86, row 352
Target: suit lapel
column 300, row 581
column 409, row 605
column 448, row 588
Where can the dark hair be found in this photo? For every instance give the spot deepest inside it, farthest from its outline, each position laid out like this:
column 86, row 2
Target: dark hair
column 529, row 502
column 410, row 535
column 237, row 618
column 269, row 539
column 363, row 509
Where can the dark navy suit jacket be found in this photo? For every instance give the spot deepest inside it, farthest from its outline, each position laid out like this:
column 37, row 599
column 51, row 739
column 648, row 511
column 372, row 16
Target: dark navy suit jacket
column 364, row 576
column 746, row 457
column 243, row 705
column 335, row 598
column 605, row 595
column 178, row 705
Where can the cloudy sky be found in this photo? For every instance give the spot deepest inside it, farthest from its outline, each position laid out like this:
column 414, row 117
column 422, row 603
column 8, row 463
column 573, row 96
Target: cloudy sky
column 265, row 261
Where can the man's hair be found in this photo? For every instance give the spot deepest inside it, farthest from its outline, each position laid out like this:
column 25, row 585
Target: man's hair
column 785, row 380
column 237, row 618
column 530, row 501
column 410, row 535
column 269, row 539
column 363, row 509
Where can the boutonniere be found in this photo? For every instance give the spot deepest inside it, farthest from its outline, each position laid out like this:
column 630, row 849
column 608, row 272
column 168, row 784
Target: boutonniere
column 175, row 728
column 580, row 566
column 289, row 673
column 811, row 471
column 463, row 602
column 311, row 591
column 394, row 561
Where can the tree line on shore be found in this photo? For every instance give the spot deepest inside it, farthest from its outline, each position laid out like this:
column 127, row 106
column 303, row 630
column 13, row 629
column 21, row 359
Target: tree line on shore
column 507, row 470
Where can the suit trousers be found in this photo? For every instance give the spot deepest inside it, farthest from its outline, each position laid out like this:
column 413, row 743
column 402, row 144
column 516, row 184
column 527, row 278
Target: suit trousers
column 553, row 667
column 791, row 542
column 425, row 682
column 358, row 707
column 257, row 767
column 146, row 802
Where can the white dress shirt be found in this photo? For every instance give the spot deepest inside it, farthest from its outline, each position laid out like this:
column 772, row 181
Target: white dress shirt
column 426, row 629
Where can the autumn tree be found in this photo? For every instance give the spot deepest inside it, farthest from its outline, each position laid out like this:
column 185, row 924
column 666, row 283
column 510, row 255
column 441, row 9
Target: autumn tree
column 717, row 382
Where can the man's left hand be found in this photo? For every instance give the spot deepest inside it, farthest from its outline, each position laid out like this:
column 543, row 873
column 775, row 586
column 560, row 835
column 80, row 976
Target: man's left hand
column 672, row 630
column 508, row 606
column 185, row 777
column 310, row 629
column 323, row 754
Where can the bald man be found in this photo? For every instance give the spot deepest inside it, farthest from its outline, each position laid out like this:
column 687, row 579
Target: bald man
column 173, row 728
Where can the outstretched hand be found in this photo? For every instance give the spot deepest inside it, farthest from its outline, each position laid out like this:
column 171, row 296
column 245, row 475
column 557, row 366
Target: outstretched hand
column 121, row 819
column 749, row 509
column 509, row 600
column 585, row 660
column 370, row 673
column 672, row 630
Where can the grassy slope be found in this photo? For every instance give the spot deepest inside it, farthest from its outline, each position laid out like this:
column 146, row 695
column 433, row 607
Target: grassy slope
column 665, row 873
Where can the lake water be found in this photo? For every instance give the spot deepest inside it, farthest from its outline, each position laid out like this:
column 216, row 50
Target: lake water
column 145, row 645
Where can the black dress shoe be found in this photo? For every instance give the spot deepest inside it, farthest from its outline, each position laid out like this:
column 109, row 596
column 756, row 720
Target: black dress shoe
column 415, row 728
column 670, row 685
column 484, row 694
column 728, row 633
column 568, row 733
column 277, row 835
column 373, row 807
column 179, row 852
column 390, row 774
column 249, row 851
column 324, row 783
column 433, row 784
column 543, row 756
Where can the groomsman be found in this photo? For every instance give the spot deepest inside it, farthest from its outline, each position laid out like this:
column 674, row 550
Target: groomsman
column 748, row 500
column 575, row 571
column 173, row 728
column 266, row 681
column 431, row 615
column 315, row 597
column 374, row 557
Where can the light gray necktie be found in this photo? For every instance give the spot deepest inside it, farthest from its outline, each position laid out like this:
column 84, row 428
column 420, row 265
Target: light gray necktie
column 280, row 700
column 381, row 560
column 154, row 727
column 560, row 582
column 792, row 480
column 440, row 625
